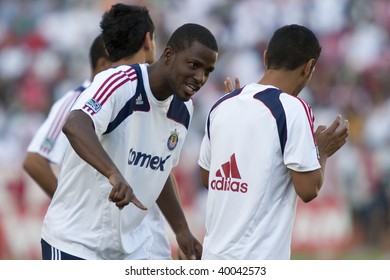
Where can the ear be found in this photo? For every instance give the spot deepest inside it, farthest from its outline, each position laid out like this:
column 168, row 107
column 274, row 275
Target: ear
column 148, row 41
column 309, row 67
column 265, row 59
column 168, row 54
column 102, row 64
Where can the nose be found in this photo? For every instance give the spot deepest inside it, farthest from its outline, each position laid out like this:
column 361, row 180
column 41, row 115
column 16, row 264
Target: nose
column 200, row 76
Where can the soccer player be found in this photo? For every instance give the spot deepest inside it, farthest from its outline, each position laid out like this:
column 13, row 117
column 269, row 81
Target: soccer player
column 49, row 143
column 127, row 130
column 260, row 153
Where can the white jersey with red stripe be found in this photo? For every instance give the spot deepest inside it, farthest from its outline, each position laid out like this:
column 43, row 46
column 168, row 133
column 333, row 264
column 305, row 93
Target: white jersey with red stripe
column 49, row 141
column 144, row 137
column 253, row 136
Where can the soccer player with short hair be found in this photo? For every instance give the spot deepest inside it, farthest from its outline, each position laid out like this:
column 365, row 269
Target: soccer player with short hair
column 260, row 153
column 127, row 130
column 49, row 144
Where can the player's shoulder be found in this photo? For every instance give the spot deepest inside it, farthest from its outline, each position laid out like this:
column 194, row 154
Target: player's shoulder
column 116, row 74
column 66, row 98
column 244, row 93
column 180, row 111
column 294, row 102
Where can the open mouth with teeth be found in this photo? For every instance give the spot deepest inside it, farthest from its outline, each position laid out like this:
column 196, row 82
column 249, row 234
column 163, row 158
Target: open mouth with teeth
column 192, row 87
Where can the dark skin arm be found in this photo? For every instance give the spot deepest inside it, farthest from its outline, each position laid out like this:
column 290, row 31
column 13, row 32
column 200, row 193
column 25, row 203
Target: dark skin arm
column 329, row 140
column 40, row 170
column 204, row 177
column 79, row 130
column 169, row 205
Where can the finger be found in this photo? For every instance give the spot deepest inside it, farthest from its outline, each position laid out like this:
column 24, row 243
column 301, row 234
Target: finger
column 236, row 82
column 137, row 203
column 335, row 124
column 343, row 131
column 113, row 195
column 119, row 195
column 190, row 255
column 121, row 204
column 346, row 125
column 198, row 250
column 343, row 134
column 320, row 128
column 228, row 85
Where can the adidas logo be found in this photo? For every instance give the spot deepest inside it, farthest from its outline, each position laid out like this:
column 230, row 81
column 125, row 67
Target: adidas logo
column 229, row 178
column 138, row 100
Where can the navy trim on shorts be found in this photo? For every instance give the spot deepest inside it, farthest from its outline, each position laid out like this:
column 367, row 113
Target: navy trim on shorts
column 51, row 253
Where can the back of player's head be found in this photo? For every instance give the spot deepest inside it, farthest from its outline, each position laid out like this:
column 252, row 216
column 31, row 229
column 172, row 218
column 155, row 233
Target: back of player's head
column 185, row 35
column 292, row 46
column 97, row 51
column 124, row 28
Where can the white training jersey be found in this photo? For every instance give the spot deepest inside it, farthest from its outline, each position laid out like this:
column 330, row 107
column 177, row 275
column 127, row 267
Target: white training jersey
column 155, row 222
column 253, row 136
column 144, row 137
column 49, row 141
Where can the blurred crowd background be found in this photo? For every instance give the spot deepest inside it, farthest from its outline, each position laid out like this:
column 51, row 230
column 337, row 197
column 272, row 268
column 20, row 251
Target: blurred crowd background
column 44, row 53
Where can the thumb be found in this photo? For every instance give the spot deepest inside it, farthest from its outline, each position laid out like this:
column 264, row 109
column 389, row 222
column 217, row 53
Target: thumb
column 320, row 129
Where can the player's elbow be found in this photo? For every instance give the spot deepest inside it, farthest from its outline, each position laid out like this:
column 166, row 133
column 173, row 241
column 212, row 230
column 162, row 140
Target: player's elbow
column 307, row 184
column 27, row 163
column 307, row 197
column 68, row 125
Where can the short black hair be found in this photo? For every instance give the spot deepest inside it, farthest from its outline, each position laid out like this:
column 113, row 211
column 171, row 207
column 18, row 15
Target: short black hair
column 124, row 28
column 185, row 35
column 97, row 51
column 292, row 46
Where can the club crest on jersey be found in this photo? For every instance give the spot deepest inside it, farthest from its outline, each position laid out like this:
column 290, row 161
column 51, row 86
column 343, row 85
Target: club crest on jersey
column 93, row 105
column 172, row 140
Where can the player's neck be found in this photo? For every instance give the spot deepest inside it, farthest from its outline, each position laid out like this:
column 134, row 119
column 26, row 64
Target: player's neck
column 284, row 80
column 138, row 57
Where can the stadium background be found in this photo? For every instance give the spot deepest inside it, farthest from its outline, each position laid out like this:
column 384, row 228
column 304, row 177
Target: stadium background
column 44, row 52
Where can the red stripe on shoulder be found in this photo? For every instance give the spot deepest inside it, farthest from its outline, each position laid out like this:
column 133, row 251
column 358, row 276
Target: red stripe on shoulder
column 309, row 114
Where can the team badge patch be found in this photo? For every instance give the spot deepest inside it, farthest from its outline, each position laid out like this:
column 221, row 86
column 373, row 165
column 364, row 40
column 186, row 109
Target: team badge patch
column 172, row 140
column 47, row 144
column 93, row 105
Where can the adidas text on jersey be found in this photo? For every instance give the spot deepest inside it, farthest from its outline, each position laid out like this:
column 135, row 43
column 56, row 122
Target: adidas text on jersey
column 231, row 178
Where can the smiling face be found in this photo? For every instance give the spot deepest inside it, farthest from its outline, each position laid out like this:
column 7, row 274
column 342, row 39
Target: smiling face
column 189, row 69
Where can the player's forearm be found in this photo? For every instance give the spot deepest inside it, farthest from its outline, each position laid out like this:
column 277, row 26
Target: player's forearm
column 169, row 205
column 204, row 177
column 80, row 132
column 307, row 184
column 40, row 171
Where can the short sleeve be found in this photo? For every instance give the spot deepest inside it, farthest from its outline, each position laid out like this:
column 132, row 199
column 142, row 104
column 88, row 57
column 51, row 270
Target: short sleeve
column 49, row 141
column 205, row 152
column 300, row 152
